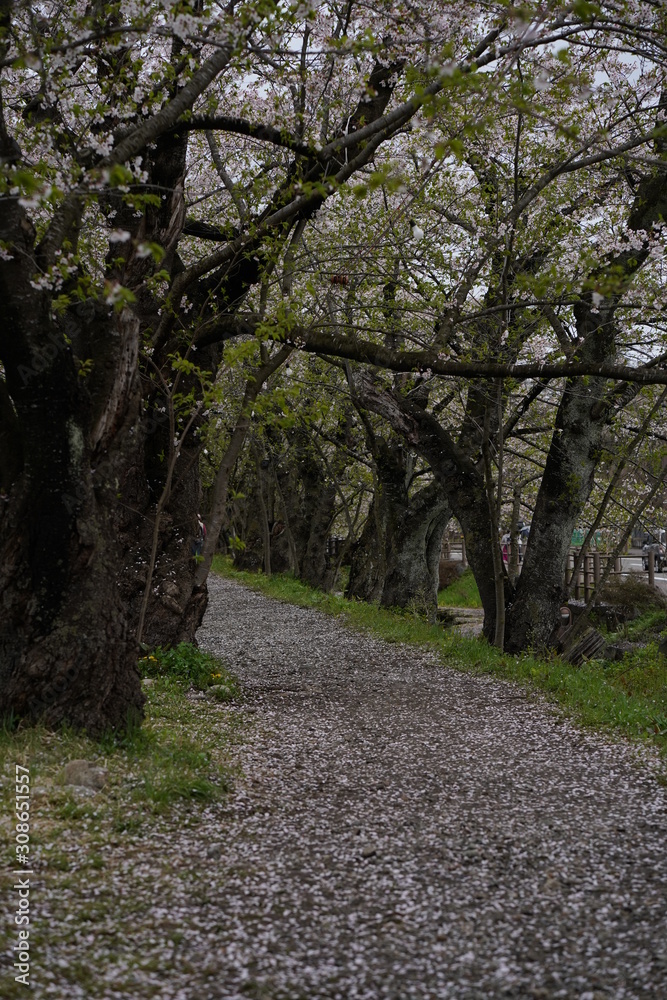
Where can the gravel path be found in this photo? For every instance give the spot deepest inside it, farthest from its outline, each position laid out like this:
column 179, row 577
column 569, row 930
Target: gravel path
column 405, row 831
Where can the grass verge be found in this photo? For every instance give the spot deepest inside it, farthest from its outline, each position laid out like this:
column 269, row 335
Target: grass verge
column 99, row 860
column 629, row 697
column 173, row 758
column 463, row 593
column 187, row 665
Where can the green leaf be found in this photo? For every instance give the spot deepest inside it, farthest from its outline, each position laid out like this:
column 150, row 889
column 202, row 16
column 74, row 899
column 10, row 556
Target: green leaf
column 585, row 9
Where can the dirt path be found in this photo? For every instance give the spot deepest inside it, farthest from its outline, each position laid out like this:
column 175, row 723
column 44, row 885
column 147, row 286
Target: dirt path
column 405, row 831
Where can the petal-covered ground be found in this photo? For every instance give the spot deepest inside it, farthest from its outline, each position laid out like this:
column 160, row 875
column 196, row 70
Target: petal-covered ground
column 406, row 831
column 397, row 830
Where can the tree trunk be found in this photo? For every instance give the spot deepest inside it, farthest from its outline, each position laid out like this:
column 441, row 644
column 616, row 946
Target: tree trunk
column 368, row 562
column 461, row 482
column 414, row 557
column 396, row 558
column 177, row 601
column 307, row 500
column 566, row 485
column 67, row 650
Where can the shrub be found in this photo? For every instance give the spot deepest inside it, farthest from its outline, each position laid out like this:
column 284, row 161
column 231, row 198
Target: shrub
column 632, row 596
column 449, row 571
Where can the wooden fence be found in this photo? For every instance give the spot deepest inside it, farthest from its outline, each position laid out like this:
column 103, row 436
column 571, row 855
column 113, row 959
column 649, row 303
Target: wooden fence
column 454, row 542
column 593, row 565
column 589, row 575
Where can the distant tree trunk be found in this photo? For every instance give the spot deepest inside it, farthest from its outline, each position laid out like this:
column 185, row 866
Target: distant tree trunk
column 315, row 568
column 566, row 485
column 460, row 479
column 302, row 502
column 311, row 510
column 368, row 560
column 219, row 493
column 469, row 501
column 414, row 555
column 395, row 561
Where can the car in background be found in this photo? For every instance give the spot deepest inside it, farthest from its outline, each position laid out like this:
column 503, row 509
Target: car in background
column 659, row 555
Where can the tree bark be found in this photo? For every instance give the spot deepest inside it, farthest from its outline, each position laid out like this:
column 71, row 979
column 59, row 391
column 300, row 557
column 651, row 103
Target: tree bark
column 461, row 482
column 368, row 562
column 395, row 561
column 566, row 484
column 414, row 554
column 67, row 651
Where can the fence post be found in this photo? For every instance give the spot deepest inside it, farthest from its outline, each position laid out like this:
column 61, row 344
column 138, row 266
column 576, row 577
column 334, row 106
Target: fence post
column 464, row 561
column 596, row 569
column 587, row 577
column 651, row 568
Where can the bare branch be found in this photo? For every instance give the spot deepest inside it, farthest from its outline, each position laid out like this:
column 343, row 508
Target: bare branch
column 237, row 198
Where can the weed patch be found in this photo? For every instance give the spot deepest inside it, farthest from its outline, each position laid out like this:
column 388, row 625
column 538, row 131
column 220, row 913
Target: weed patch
column 648, row 626
column 189, row 666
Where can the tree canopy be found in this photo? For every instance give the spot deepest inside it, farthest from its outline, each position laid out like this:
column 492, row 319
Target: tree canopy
column 471, row 197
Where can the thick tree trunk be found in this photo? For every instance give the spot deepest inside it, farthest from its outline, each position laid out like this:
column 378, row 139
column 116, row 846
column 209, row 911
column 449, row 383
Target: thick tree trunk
column 395, row 561
column 460, row 482
column 67, row 651
column 575, row 448
column 566, row 485
column 414, row 556
column 368, row 562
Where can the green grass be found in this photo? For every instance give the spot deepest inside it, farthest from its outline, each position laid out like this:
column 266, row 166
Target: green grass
column 463, row 593
column 650, row 625
column 88, row 848
column 178, row 755
column 628, row 698
column 189, row 666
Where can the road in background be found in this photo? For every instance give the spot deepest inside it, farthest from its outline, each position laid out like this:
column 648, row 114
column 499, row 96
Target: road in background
column 632, row 563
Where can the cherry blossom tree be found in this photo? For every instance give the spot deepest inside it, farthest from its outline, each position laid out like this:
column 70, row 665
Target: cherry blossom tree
column 175, row 177
column 540, row 258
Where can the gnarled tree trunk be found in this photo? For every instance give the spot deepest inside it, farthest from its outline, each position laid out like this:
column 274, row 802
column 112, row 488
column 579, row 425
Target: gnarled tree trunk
column 396, row 558
column 368, row 560
column 67, row 651
column 460, row 487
